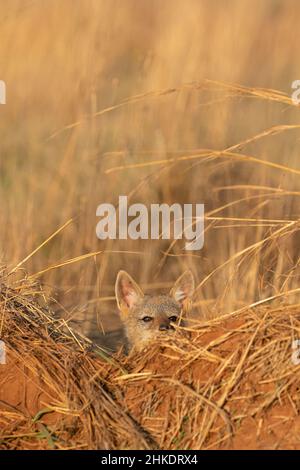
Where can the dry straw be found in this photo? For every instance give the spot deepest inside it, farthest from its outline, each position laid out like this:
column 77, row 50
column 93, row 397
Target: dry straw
column 231, row 384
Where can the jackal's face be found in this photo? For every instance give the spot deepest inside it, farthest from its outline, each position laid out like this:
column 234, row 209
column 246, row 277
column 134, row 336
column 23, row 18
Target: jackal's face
column 147, row 318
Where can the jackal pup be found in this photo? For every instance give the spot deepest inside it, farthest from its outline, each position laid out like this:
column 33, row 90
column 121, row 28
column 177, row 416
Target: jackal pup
column 146, row 318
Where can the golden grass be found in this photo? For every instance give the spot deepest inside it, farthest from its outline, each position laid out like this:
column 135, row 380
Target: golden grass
column 156, row 105
column 232, row 384
column 188, row 104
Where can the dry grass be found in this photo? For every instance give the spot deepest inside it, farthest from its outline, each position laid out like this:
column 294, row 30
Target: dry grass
column 142, row 99
column 186, row 103
column 51, row 373
column 231, row 385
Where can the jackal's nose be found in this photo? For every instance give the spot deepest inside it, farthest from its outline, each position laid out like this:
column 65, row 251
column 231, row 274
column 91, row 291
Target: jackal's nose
column 164, row 327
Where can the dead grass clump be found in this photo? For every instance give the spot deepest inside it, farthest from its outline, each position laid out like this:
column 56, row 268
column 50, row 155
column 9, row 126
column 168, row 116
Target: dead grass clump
column 51, row 390
column 233, row 384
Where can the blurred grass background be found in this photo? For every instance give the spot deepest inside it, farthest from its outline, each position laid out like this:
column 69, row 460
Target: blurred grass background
column 65, row 61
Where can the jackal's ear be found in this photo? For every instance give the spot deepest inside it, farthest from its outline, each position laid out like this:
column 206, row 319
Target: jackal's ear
column 183, row 289
column 128, row 293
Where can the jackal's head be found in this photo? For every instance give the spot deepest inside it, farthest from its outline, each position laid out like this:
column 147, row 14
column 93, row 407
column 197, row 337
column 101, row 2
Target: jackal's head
column 150, row 317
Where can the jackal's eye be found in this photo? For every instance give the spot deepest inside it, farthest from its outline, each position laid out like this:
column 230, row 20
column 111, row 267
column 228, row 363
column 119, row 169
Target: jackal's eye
column 173, row 318
column 147, row 319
